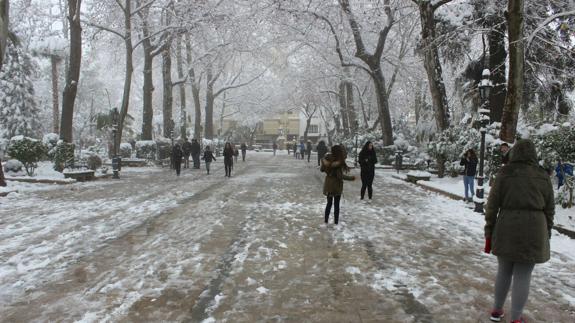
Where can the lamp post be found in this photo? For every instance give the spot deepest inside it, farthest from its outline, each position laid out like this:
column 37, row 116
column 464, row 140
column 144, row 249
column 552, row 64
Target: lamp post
column 115, row 158
column 355, row 150
column 484, row 91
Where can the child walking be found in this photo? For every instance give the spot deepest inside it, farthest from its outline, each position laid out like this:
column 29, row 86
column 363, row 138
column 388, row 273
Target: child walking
column 208, row 158
column 335, row 168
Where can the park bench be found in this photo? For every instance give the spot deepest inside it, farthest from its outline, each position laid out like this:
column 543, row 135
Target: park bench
column 81, row 175
column 413, row 177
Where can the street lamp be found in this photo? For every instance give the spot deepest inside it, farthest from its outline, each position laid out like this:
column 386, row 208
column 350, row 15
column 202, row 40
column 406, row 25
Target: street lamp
column 485, row 86
column 116, row 160
column 356, row 130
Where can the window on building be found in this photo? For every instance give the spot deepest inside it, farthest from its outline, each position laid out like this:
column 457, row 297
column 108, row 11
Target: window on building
column 313, row 128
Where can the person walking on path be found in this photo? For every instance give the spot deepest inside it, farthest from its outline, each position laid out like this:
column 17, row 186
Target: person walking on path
column 518, row 223
column 236, row 154
column 196, row 150
column 321, row 151
column 187, row 149
column 367, row 160
column 275, row 147
column 335, row 168
column 469, row 160
column 228, row 158
column 295, row 150
column 177, row 155
column 308, row 150
column 302, row 150
column 244, row 148
column 208, row 158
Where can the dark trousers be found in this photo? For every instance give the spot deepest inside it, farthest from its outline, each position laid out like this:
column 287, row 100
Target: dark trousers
column 335, row 201
column 243, row 156
column 228, row 167
column 196, row 158
column 366, row 182
column 178, row 166
column 308, row 156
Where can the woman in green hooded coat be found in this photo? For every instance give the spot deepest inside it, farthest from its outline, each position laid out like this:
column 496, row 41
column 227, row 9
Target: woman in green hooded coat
column 519, row 219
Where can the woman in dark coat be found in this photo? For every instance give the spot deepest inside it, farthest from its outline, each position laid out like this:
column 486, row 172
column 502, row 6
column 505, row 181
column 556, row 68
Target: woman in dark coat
column 228, row 158
column 367, row 160
column 469, row 160
column 335, row 168
column 518, row 222
column 308, row 150
column 177, row 155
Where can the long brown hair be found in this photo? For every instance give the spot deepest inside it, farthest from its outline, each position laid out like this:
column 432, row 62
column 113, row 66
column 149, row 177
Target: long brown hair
column 339, row 154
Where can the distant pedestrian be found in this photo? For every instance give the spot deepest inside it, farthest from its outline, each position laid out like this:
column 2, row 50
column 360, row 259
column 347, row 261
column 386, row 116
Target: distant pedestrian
column 308, row 150
column 208, row 158
column 244, row 148
column 236, row 154
column 469, row 160
column 228, row 158
column 295, row 150
column 187, row 149
column 367, row 161
column 275, row 147
column 335, row 168
column 288, row 147
column 177, row 155
column 302, row 150
column 321, row 151
column 196, row 149
column 518, row 222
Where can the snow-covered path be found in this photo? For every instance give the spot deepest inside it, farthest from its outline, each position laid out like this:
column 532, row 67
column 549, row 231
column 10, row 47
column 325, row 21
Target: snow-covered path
column 153, row 247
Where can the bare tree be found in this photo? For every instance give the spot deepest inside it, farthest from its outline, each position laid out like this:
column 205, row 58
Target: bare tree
column 4, row 19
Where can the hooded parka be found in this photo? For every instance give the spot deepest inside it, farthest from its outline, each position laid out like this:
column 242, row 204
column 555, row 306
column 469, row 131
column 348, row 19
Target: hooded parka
column 333, row 185
column 520, row 209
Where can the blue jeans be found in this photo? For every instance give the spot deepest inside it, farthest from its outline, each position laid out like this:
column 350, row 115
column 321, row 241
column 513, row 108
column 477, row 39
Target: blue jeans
column 468, row 182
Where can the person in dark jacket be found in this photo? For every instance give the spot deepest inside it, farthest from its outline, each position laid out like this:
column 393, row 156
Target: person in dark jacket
column 177, row 155
column 196, row 149
column 367, row 160
column 335, row 169
column 469, row 160
column 308, row 150
column 321, row 151
column 302, row 150
column 187, row 149
column 518, row 222
column 244, row 148
column 208, row 158
column 228, row 158
column 236, row 154
column 504, row 150
column 274, row 147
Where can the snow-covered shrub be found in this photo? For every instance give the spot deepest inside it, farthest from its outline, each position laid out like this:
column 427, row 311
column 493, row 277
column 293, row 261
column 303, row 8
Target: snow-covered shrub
column 13, row 166
column 28, row 151
column 146, row 149
column 63, row 155
column 125, row 150
column 50, row 140
column 94, row 162
column 554, row 143
column 453, row 168
column 449, row 145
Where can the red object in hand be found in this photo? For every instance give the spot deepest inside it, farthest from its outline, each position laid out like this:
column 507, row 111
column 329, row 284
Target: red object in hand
column 487, row 248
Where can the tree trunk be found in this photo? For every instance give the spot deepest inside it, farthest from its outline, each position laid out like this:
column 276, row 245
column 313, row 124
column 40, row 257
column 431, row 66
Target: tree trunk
column 182, row 88
column 54, row 60
column 383, row 106
column 168, row 98
column 343, row 110
column 433, row 65
column 73, row 77
column 4, row 19
column 148, row 90
column 497, row 57
column 514, row 96
column 195, row 90
column 209, row 110
column 350, row 107
column 129, row 69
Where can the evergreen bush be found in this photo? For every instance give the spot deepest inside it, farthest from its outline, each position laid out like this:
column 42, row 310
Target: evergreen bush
column 28, row 151
column 63, row 156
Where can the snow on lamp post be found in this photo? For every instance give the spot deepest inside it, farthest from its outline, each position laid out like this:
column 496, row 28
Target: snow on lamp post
column 115, row 158
column 485, row 86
